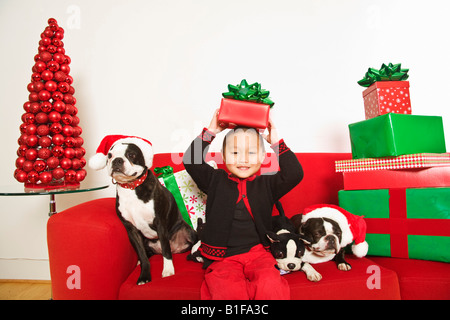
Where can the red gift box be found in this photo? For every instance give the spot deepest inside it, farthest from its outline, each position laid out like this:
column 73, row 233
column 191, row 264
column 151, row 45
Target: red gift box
column 387, row 179
column 234, row 113
column 387, row 96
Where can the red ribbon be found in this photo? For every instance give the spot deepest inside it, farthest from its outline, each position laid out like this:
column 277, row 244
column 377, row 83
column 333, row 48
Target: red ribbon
column 399, row 226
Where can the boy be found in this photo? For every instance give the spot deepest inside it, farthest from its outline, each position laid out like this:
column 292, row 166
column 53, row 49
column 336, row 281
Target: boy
column 238, row 212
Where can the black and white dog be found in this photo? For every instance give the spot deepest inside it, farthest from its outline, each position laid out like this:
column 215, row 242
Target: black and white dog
column 330, row 229
column 288, row 247
column 147, row 209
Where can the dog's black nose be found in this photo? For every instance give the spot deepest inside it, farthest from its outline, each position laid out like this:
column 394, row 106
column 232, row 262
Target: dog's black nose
column 330, row 239
column 117, row 163
column 291, row 266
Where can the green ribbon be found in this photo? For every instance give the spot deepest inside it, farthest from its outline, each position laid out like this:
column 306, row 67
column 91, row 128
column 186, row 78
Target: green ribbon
column 166, row 173
column 248, row 92
column 390, row 72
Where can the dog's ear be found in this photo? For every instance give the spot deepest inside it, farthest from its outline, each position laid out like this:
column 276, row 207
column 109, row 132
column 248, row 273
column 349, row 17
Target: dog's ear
column 306, row 240
column 273, row 237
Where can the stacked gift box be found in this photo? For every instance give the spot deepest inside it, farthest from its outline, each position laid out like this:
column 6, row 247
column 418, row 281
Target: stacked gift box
column 399, row 174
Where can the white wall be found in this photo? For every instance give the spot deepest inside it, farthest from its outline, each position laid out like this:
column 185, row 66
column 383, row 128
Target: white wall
column 157, row 69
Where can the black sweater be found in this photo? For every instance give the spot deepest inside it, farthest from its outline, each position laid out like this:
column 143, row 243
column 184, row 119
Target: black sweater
column 224, row 191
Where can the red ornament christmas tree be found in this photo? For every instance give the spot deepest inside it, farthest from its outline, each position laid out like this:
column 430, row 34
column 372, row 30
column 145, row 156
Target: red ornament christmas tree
column 50, row 150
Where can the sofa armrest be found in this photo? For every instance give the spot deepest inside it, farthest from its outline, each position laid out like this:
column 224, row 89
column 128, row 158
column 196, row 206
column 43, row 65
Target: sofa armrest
column 89, row 252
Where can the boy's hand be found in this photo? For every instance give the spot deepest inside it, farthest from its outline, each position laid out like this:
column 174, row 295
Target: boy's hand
column 272, row 137
column 214, row 126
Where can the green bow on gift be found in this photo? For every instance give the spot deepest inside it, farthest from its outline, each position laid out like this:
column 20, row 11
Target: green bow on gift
column 248, row 92
column 390, row 72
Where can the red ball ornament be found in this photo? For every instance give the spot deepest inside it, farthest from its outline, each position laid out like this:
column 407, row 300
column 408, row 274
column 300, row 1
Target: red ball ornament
column 51, row 48
column 26, row 106
column 21, row 175
column 22, row 150
column 69, row 153
column 35, row 107
column 59, row 58
column 46, row 107
column 70, row 176
column 32, row 141
column 45, row 142
column 58, row 173
column 45, row 56
column 78, row 142
column 67, row 131
column 75, row 121
column 46, row 75
column 59, row 106
column 43, row 130
column 31, row 129
column 48, row 33
column 58, row 151
column 65, row 68
column 63, row 87
column 60, row 76
column 39, row 165
column 57, row 139
column 65, row 163
column 66, row 119
column 39, row 66
column 33, row 96
column 44, row 153
column 68, row 98
column 52, row 162
column 70, row 109
column 83, row 162
column 56, row 96
column 45, row 177
column 80, row 152
column 30, row 87
column 77, row 131
column 31, row 154
column 27, row 166
column 54, row 116
column 44, row 95
column 51, row 86
column 38, row 86
column 41, row 117
column 53, row 66
column 76, row 163
column 23, row 128
column 56, row 128
column 36, row 77
column 28, row 118
column 81, row 174
column 69, row 142
column 19, row 162
column 33, row 176
column 23, row 139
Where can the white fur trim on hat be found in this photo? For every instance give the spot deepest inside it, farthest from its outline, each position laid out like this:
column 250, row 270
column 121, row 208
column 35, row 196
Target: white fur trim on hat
column 360, row 250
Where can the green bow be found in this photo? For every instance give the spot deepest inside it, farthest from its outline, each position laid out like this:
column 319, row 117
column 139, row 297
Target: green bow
column 390, row 72
column 166, row 173
column 248, row 92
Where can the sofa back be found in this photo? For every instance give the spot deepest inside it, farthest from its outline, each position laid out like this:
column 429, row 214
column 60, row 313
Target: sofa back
column 320, row 183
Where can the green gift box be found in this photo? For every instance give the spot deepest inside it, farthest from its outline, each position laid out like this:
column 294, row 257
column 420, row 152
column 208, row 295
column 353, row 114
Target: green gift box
column 404, row 223
column 397, row 134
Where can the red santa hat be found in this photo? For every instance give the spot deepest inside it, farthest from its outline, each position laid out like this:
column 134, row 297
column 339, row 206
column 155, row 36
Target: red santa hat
column 100, row 159
column 353, row 227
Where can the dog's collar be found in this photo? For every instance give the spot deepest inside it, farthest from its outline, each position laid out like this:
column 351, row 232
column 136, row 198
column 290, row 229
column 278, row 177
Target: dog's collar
column 134, row 184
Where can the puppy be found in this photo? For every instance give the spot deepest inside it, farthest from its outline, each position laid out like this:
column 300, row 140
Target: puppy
column 331, row 229
column 288, row 247
column 146, row 208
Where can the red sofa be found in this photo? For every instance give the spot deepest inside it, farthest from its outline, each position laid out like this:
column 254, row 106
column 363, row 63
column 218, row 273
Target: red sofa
column 91, row 257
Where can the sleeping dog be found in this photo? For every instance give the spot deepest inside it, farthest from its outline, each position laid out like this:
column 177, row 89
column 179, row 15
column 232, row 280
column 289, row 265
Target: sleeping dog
column 330, row 229
column 146, row 208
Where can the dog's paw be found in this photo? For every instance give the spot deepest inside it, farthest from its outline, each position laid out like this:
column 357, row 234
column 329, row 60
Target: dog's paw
column 168, row 273
column 314, row 276
column 143, row 280
column 344, row 266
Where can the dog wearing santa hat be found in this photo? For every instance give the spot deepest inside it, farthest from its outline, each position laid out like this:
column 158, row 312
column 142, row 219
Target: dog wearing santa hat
column 330, row 229
column 146, row 208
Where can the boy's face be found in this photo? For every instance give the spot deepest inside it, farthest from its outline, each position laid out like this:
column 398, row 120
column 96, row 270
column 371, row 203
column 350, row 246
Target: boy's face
column 243, row 153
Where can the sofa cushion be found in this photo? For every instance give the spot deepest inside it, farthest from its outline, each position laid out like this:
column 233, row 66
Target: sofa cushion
column 419, row 279
column 336, row 284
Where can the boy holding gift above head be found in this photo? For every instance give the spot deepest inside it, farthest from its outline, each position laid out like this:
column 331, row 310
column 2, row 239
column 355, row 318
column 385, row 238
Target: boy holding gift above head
column 238, row 212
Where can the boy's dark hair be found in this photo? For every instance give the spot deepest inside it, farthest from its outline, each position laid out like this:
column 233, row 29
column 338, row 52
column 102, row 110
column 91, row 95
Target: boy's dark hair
column 244, row 129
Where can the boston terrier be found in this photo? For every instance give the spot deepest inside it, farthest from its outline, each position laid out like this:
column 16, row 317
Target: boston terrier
column 146, row 208
column 288, row 247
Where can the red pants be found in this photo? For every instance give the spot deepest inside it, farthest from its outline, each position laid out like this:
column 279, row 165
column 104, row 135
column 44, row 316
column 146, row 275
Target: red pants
column 250, row 275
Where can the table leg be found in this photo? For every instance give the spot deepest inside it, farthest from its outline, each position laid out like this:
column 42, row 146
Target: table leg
column 52, row 205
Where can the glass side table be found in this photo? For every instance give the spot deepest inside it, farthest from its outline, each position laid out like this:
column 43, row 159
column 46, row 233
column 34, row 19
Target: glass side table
column 20, row 190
